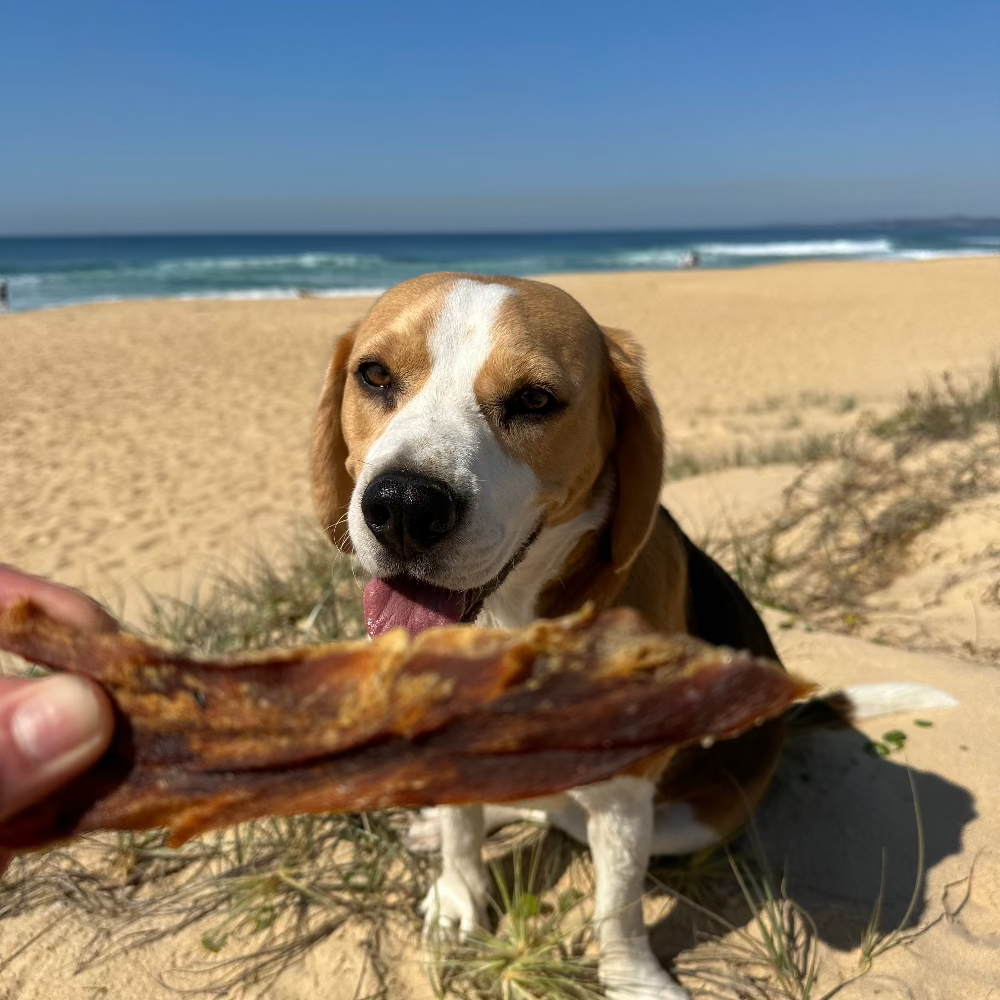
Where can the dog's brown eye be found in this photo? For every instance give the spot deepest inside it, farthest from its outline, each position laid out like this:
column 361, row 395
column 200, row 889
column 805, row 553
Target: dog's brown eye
column 529, row 403
column 535, row 400
column 376, row 375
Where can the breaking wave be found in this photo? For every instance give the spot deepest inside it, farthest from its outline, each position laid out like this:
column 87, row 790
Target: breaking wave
column 804, row 248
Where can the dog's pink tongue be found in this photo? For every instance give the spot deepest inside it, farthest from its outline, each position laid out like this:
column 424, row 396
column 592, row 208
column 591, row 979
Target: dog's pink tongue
column 410, row 605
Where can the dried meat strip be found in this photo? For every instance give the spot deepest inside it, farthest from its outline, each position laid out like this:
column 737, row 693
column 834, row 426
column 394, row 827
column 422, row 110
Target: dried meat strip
column 457, row 715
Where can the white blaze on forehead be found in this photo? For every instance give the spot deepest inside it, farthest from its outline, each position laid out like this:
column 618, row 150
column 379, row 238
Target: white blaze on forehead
column 462, row 338
column 441, row 432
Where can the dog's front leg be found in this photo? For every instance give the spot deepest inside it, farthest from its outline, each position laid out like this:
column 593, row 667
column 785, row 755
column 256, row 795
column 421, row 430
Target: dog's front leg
column 620, row 831
column 457, row 900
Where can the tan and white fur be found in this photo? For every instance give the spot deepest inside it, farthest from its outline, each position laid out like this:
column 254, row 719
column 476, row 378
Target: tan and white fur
column 554, row 505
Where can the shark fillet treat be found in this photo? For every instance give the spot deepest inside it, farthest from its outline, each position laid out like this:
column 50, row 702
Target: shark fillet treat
column 457, row 715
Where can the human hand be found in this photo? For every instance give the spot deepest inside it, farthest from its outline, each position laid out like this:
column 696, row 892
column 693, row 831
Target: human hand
column 53, row 729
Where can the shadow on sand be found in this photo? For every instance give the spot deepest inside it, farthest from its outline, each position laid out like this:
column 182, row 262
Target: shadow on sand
column 834, row 816
column 834, row 813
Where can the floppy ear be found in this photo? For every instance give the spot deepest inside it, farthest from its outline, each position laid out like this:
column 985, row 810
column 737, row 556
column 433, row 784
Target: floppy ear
column 638, row 454
column 332, row 485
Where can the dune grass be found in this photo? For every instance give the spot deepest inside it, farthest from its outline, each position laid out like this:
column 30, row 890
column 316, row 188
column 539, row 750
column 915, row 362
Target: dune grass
column 948, row 409
column 260, row 895
column 849, row 520
column 810, row 447
column 311, row 596
column 541, row 947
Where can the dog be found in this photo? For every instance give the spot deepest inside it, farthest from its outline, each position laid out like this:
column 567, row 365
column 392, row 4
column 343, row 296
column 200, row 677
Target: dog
column 490, row 454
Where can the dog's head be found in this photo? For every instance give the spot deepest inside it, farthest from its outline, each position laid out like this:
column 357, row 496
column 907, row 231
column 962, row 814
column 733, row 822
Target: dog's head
column 462, row 419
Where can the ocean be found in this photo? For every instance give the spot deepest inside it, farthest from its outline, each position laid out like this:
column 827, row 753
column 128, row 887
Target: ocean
column 43, row 272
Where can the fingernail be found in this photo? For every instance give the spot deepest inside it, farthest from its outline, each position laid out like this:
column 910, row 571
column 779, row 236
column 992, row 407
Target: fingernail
column 59, row 718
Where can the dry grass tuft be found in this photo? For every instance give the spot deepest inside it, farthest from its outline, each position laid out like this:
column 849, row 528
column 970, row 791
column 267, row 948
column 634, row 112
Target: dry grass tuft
column 774, row 956
column 811, row 447
column 260, row 895
column 312, row 596
column 848, row 523
column 541, row 948
column 949, row 410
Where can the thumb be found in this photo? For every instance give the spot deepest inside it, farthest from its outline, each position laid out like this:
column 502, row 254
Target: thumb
column 50, row 731
column 63, row 603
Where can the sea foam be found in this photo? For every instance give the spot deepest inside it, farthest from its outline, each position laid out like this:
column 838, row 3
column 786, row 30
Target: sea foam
column 804, row 248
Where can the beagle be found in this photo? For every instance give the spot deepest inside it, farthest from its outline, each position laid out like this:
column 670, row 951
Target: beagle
column 490, row 454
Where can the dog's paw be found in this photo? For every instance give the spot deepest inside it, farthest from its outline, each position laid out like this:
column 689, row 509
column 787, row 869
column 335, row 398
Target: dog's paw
column 643, row 979
column 424, row 833
column 452, row 909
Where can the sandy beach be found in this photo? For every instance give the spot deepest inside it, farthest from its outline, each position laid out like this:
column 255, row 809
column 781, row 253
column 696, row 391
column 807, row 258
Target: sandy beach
column 145, row 444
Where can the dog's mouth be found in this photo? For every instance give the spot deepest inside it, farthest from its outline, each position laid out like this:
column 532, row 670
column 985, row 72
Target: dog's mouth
column 411, row 604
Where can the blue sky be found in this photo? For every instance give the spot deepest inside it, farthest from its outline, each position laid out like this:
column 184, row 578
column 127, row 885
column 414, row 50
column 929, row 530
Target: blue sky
column 198, row 115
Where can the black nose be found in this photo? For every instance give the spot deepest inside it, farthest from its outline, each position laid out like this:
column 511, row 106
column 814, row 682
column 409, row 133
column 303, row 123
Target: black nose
column 407, row 513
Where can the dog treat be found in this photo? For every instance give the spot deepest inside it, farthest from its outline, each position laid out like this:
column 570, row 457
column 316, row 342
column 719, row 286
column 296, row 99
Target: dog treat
column 457, row 715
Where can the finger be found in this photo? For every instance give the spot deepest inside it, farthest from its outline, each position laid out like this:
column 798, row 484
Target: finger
column 11, row 683
column 50, row 731
column 64, row 603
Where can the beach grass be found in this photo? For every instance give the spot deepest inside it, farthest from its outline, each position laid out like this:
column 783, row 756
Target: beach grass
column 810, row 447
column 946, row 409
column 541, row 946
column 311, row 595
column 849, row 519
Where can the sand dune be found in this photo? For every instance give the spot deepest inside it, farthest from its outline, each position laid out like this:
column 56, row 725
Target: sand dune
column 143, row 444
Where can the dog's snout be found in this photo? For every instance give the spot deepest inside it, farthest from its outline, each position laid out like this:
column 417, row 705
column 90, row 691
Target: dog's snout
column 408, row 513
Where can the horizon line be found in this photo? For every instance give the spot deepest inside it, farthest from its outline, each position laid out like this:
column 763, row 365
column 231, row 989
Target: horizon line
column 855, row 224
